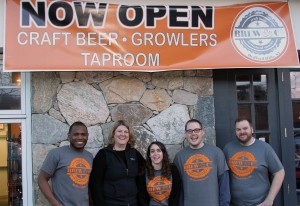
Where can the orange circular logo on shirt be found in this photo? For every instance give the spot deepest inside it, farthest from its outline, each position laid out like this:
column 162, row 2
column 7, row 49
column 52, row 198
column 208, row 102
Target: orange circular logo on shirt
column 79, row 171
column 242, row 163
column 159, row 188
column 198, row 166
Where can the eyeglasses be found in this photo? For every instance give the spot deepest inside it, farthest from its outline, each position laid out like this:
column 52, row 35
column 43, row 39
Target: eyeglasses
column 190, row 131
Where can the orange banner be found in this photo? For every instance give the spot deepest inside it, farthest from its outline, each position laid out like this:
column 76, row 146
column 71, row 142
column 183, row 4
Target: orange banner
column 94, row 36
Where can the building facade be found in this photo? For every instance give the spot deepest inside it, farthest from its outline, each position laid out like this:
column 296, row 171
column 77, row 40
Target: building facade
column 36, row 109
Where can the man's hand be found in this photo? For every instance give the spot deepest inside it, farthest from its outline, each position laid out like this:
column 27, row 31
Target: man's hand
column 44, row 186
column 266, row 203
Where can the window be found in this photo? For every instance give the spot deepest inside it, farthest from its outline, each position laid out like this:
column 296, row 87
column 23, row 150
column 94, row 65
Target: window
column 295, row 98
column 11, row 164
column 15, row 143
column 252, row 100
column 12, row 92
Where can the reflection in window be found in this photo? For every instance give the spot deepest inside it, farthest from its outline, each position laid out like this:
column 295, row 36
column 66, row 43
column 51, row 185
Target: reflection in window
column 295, row 95
column 10, row 78
column 10, row 99
column 252, row 102
column 10, row 90
column 296, row 114
column 260, row 87
column 263, row 137
column 297, row 157
column 261, row 117
column 244, row 111
column 10, row 165
column 243, row 87
column 295, row 84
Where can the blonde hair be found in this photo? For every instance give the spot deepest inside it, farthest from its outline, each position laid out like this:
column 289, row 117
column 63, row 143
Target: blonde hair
column 111, row 139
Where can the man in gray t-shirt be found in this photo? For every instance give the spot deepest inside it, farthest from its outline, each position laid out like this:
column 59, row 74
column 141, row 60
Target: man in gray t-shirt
column 69, row 169
column 250, row 162
column 203, row 170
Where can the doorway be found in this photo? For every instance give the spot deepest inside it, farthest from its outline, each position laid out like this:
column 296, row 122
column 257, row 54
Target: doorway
column 263, row 96
column 289, row 104
column 11, row 164
column 15, row 141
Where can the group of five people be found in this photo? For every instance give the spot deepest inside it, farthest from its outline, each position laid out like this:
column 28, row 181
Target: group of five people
column 201, row 174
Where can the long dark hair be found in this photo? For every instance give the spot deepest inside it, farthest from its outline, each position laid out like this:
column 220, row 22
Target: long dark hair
column 166, row 164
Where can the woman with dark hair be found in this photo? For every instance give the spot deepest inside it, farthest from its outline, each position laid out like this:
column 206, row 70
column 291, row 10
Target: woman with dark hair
column 113, row 180
column 161, row 183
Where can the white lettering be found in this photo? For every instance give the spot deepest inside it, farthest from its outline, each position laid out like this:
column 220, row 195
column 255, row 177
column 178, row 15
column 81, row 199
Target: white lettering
column 41, row 39
column 96, row 39
column 173, row 39
column 117, row 59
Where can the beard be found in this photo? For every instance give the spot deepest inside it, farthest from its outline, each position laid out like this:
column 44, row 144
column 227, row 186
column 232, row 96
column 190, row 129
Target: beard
column 244, row 138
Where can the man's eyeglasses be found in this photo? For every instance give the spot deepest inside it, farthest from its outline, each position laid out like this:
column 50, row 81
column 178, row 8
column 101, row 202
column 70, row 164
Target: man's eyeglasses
column 190, row 131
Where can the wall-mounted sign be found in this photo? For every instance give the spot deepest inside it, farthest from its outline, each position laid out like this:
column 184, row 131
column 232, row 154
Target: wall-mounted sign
column 94, row 36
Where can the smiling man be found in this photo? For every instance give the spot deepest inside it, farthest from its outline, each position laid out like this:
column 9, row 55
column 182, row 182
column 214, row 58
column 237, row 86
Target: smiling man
column 250, row 162
column 203, row 170
column 69, row 169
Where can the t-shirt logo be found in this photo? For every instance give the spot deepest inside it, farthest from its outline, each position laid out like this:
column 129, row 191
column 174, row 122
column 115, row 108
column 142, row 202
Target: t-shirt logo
column 198, row 167
column 79, row 172
column 242, row 163
column 159, row 188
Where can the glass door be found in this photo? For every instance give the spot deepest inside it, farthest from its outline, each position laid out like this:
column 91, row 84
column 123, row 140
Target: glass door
column 253, row 102
column 252, row 94
column 11, row 164
column 289, row 112
column 295, row 101
column 15, row 144
column 248, row 93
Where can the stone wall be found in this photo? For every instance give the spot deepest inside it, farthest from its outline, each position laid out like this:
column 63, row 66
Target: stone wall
column 156, row 105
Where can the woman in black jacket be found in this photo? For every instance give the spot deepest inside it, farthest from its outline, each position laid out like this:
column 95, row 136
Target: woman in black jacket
column 113, row 179
column 161, row 182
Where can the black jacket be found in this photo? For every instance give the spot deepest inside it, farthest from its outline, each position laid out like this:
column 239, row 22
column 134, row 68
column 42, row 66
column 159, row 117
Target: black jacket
column 114, row 175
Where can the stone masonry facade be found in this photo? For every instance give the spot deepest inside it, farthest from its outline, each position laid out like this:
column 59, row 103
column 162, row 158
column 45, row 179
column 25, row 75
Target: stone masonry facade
column 156, row 105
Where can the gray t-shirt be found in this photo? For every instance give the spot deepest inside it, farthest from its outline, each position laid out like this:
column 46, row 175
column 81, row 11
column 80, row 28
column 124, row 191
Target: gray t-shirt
column 159, row 189
column 199, row 169
column 70, row 171
column 249, row 171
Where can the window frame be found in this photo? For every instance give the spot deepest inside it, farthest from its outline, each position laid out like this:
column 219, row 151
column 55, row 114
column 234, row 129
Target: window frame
column 23, row 116
column 22, row 110
column 26, row 159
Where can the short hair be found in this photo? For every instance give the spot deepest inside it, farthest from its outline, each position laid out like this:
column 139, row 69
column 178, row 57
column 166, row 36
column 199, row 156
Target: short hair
column 111, row 139
column 240, row 119
column 78, row 123
column 191, row 121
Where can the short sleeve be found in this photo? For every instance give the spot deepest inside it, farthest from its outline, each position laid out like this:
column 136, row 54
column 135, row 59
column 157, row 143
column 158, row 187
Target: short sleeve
column 274, row 163
column 222, row 165
column 51, row 161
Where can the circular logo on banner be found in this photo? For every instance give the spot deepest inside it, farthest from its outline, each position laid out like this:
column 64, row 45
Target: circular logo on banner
column 259, row 35
column 79, row 171
column 159, row 188
column 242, row 163
column 198, row 166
